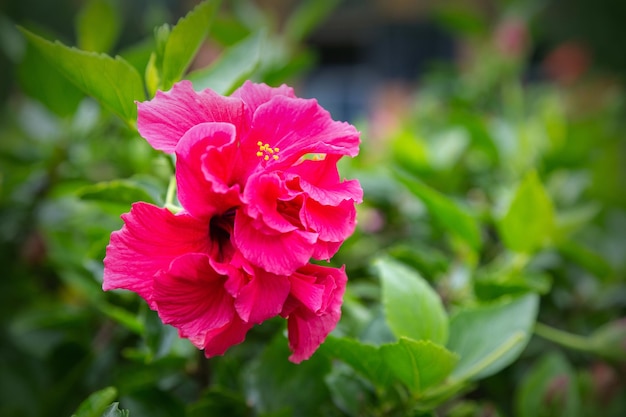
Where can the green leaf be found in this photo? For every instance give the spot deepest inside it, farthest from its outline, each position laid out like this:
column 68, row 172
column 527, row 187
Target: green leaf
column 113, row 82
column 123, row 192
column 273, row 384
column 47, row 84
column 364, row 358
column 184, row 40
column 413, row 309
column 96, row 404
column 417, row 364
column 529, row 222
column 453, row 218
column 307, row 17
column 232, row 68
column 114, row 411
column 548, row 389
column 488, row 338
column 97, row 26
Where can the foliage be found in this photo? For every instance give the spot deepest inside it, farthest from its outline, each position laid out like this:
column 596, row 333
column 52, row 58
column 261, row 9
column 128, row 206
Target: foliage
column 486, row 274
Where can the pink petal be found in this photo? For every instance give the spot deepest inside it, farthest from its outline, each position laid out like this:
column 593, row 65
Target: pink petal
column 278, row 253
column 331, row 223
column 298, row 127
column 253, row 95
column 163, row 120
column 218, row 341
column 191, row 297
column 264, row 193
column 308, row 329
column 263, row 297
column 319, row 179
column 203, row 163
column 149, row 241
column 325, row 250
column 306, row 291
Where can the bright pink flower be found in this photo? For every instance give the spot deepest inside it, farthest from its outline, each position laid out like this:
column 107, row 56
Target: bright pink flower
column 261, row 195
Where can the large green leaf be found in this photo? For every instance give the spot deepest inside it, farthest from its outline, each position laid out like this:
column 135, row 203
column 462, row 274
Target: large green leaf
column 112, row 81
column 184, row 40
column 412, row 308
column 97, row 26
column 122, row 191
column 234, row 66
column 548, row 389
column 417, row 364
column 452, row 217
column 488, row 338
column 529, row 222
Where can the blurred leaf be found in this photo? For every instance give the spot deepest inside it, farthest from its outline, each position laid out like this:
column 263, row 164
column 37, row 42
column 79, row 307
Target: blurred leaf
column 97, row 403
column 122, row 316
column 217, row 402
column 412, row 308
column 350, row 392
column 609, row 341
column 529, row 222
column 113, row 82
column 97, row 26
column 418, row 364
column 587, row 258
column 273, row 384
column 46, row 84
column 232, row 68
column 307, row 17
column 227, row 30
column 488, row 338
column 452, row 218
column 124, row 192
column 184, row 40
column 548, row 389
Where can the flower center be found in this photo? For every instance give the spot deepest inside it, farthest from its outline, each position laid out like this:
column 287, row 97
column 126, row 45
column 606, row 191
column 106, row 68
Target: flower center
column 220, row 229
column 266, row 152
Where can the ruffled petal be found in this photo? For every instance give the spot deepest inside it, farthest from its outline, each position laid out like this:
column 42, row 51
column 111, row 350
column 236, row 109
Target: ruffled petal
column 262, row 297
column 203, row 164
column 149, row 241
column 278, row 253
column 331, row 223
column 253, row 95
column 191, row 296
column 319, row 180
column 308, row 329
column 297, row 127
column 163, row 120
column 216, row 342
column 271, row 203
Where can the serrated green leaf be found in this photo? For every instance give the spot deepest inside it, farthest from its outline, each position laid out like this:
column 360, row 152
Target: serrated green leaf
column 419, row 364
column 412, row 308
column 114, row 411
column 363, row 358
column 529, row 221
column 234, row 66
column 184, row 40
column 112, row 81
column 97, row 26
column 452, row 217
column 96, row 404
column 488, row 338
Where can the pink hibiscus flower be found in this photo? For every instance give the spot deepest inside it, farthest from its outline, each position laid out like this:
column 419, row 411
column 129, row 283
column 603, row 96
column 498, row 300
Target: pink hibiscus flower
column 261, row 195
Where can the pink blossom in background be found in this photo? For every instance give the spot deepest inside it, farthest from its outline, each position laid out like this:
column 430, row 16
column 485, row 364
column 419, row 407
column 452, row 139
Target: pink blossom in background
column 261, row 196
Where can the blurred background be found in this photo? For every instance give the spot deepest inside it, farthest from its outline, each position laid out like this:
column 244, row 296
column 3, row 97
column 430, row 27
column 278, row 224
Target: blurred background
column 465, row 96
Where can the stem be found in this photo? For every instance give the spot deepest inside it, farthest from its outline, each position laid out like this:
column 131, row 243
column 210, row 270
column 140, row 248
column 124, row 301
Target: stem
column 169, row 196
column 566, row 339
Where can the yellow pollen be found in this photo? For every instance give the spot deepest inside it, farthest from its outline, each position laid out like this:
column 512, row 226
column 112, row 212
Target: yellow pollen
column 265, row 151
